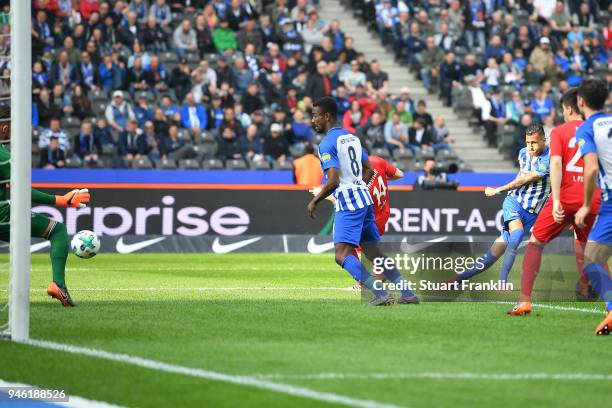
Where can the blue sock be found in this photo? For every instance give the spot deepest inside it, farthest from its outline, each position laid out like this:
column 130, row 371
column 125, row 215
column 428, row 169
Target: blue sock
column 601, row 282
column 393, row 275
column 361, row 274
column 486, row 261
column 511, row 247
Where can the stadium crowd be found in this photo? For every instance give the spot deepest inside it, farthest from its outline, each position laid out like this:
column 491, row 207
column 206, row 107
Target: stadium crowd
column 230, row 83
column 198, row 83
column 507, row 61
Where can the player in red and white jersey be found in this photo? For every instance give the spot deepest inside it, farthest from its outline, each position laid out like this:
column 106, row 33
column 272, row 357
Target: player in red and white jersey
column 567, row 183
column 379, row 190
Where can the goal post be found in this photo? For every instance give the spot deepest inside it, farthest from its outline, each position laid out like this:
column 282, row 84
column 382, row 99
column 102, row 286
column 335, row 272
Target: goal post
column 21, row 169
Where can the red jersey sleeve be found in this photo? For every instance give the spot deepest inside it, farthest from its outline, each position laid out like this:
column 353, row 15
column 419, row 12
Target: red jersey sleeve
column 390, row 169
column 556, row 143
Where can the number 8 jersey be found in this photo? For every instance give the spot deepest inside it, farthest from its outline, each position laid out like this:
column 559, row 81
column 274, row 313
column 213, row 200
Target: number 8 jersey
column 342, row 150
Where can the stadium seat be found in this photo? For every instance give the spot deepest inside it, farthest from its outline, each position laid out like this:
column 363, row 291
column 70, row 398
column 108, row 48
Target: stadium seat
column 236, row 164
column 189, row 164
column 381, row 152
column 142, row 163
column 166, row 164
column 73, row 162
column 446, row 154
column 71, row 123
column 260, row 165
column 206, row 137
column 400, row 154
column 168, row 57
column 100, row 109
column 285, row 165
column 212, row 164
column 295, row 152
column 184, row 134
column 427, row 153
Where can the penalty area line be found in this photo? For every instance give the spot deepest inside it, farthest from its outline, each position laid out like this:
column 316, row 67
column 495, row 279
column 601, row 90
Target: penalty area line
column 246, row 381
column 73, row 400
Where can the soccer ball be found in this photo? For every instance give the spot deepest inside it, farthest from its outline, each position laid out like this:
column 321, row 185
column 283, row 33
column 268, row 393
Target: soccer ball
column 85, row 244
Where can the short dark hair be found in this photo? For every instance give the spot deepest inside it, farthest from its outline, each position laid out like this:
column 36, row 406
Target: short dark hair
column 535, row 128
column 594, row 91
column 327, row 105
column 309, row 149
column 570, row 99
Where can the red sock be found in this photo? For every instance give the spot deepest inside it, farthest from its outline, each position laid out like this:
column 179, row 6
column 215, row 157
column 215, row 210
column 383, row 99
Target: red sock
column 579, row 252
column 530, row 268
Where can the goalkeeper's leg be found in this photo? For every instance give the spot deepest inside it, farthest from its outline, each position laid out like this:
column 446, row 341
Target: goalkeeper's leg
column 55, row 232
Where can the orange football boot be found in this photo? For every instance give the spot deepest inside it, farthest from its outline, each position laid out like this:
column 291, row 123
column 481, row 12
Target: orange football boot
column 605, row 327
column 521, row 309
column 60, row 294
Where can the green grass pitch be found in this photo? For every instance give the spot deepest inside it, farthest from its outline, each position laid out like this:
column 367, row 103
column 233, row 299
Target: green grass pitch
column 212, row 312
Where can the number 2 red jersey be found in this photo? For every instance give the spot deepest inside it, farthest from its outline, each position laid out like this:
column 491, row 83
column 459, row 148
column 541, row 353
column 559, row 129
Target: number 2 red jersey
column 379, row 190
column 563, row 143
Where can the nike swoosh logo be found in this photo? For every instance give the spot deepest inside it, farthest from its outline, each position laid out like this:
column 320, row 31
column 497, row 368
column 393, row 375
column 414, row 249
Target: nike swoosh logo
column 39, row 246
column 219, row 248
column 315, row 248
column 408, row 248
column 124, row 248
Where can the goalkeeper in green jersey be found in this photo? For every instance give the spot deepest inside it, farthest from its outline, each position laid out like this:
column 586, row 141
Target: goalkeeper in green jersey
column 41, row 226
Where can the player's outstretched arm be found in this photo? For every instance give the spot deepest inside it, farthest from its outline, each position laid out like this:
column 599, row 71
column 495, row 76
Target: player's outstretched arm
column 519, row 181
column 368, row 171
column 556, row 168
column 397, row 175
column 76, row 198
column 316, row 190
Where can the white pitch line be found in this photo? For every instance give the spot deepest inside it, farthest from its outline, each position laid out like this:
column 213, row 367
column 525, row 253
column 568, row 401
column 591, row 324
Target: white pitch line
column 73, row 400
column 556, row 307
column 211, row 375
column 204, row 289
column 440, row 376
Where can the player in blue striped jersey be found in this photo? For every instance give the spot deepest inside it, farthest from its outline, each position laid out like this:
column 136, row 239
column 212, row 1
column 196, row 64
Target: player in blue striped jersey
column 527, row 194
column 348, row 170
column 594, row 138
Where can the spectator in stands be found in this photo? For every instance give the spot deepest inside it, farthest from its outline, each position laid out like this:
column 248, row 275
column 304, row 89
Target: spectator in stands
column 308, row 168
column 431, row 59
column 109, row 74
column 231, row 132
column 130, row 32
column 471, row 67
column 119, row 112
column 386, row 16
column 372, row 134
column 242, row 76
column 376, row 80
column 161, row 11
column 497, row 116
column 63, row 71
column 276, row 147
column 542, row 105
column 319, row 84
column 540, row 55
column 137, row 77
column 584, row 17
column 288, row 36
column 560, row 21
column 54, row 130
column 173, row 148
column 154, row 38
column 441, row 138
column 224, row 38
column 86, row 73
column 510, row 72
column 132, row 144
column 353, row 118
column 180, row 79
column 311, row 33
column 492, row 74
column 531, row 77
column 444, row 39
column 475, row 23
column 251, row 145
column 354, row 77
column 404, row 113
column 421, row 113
column 143, row 111
column 193, row 115
column 87, row 7
column 87, row 144
column 450, row 77
column 419, row 136
column 414, row 45
column 515, row 108
column 184, row 38
column 302, row 132
column 396, row 133
column 81, row 103
column 52, row 156
column 249, row 34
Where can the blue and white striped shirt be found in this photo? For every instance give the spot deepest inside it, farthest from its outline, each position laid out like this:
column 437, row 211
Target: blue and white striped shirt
column 342, row 150
column 595, row 136
column 532, row 196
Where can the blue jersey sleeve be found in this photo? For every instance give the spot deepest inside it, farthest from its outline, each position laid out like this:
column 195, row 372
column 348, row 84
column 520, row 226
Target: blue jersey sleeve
column 584, row 137
column 329, row 155
column 364, row 155
column 543, row 167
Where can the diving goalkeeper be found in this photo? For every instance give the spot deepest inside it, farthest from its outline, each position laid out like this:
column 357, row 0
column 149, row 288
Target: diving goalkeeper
column 41, row 226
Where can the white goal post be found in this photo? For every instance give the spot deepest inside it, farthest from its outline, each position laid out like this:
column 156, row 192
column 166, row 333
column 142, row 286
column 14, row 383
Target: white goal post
column 21, row 169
